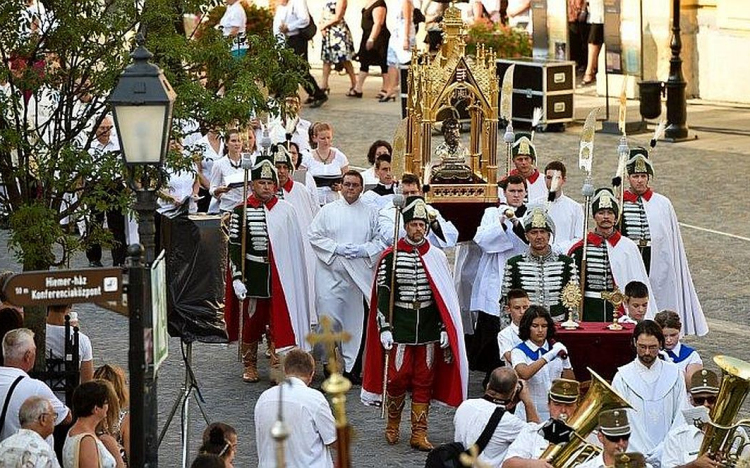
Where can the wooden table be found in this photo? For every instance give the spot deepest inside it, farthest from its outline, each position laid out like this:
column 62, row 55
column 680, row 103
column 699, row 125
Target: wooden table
column 594, row 345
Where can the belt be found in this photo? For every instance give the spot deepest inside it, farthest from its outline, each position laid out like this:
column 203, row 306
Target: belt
column 644, row 243
column 594, row 294
column 416, row 305
column 255, row 258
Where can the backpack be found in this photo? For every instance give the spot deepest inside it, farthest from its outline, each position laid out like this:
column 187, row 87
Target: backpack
column 447, row 455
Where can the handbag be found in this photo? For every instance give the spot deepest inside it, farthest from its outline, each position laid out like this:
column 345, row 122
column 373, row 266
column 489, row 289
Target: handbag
column 448, row 455
column 309, row 31
column 77, row 451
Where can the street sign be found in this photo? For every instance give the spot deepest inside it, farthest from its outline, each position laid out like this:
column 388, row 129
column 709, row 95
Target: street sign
column 42, row 288
column 159, row 334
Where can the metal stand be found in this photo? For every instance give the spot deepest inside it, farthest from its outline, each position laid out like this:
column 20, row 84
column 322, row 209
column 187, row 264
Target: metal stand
column 189, row 387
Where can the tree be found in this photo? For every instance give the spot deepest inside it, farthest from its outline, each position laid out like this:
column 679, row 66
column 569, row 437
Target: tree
column 59, row 65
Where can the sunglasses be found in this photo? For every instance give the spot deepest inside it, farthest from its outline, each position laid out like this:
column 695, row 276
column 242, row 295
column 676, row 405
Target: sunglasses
column 617, row 438
column 700, row 400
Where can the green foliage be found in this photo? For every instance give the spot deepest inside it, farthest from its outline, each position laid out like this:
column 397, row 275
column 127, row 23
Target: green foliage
column 56, row 80
column 507, row 42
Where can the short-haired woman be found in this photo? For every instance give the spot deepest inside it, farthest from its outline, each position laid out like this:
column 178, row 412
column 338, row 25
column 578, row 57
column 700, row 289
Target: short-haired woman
column 538, row 359
column 83, row 448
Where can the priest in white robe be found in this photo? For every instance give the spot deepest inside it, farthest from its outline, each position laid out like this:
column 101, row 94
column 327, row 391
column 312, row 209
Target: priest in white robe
column 566, row 213
column 656, row 391
column 344, row 236
column 650, row 221
column 305, row 205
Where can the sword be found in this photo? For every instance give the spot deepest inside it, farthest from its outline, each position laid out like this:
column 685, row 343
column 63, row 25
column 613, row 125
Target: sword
column 585, row 159
column 398, row 203
column 506, row 113
column 246, row 166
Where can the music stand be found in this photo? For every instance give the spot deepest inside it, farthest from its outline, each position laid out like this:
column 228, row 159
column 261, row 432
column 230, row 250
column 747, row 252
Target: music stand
column 189, row 390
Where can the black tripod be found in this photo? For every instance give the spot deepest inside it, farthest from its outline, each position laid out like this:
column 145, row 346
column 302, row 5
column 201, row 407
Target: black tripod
column 189, row 390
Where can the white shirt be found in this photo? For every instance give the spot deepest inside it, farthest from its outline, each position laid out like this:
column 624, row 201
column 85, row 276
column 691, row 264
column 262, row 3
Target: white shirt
column 470, row 420
column 507, row 339
column 235, row 17
column 541, row 382
column 301, row 136
column 180, row 186
column 369, row 176
column 223, row 169
column 55, row 341
column 693, row 358
column 294, row 14
column 26, row 388
column 208, row 155
column 337, row 162
column 308, row 417
column 27, row 449
column 681, row 446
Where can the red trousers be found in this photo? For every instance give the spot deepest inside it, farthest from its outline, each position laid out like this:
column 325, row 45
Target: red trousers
column 253, row 327
column 412, row 367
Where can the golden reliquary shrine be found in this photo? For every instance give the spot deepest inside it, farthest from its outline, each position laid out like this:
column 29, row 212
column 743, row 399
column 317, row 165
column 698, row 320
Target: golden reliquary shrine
column 462, row 176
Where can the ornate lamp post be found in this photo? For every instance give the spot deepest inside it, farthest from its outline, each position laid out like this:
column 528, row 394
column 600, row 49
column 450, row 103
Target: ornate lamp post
column 676, row 100
column 142, row 104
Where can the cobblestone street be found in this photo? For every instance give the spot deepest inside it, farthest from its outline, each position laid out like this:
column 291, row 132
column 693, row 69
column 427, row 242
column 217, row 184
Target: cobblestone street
column 705, row 179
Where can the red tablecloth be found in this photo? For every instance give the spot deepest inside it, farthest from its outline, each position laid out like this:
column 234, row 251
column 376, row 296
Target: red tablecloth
column 594, row 345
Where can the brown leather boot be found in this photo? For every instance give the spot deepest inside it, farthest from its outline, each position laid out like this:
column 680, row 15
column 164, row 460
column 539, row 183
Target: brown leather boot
column 250, row 361
column 419, row 427
column 394, row 406
column 275, row 372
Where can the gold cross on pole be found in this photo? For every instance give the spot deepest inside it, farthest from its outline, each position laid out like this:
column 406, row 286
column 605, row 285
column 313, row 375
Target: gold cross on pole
column 329, row 338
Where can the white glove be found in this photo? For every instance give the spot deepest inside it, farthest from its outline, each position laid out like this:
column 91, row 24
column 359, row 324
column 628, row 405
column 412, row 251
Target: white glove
column 240, row 290
column 341, row 249
column 355, row 251
column 554, row 353
column 386, row 339
column 662, row 354
column 444, row 339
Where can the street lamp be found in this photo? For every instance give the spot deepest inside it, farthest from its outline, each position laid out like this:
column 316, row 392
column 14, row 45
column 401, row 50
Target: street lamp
column 142, row 104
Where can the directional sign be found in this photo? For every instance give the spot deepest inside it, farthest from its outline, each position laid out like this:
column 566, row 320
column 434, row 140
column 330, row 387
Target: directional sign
column 64, row 286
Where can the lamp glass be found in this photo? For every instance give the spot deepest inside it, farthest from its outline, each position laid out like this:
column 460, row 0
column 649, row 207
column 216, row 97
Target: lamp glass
column 141, row 132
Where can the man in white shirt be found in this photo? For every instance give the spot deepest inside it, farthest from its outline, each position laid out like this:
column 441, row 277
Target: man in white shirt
column 442, row 233
column 102, row 148
column 566, row 213
column 19, row 352
column 55, row 340
column 307, row 415
column 654, row 388
column 562, row 402
column 684, row 440
column 344, row 237
column 472, row 415
column 27, row 447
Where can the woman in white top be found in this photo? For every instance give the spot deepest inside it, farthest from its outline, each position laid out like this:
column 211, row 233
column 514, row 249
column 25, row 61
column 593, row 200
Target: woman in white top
column 403, row 38
column 377, row 148
column 539, row 360
column 226, row 171
column 326, row 160
column 210, row 148
column 83, row 448
column 233, row 24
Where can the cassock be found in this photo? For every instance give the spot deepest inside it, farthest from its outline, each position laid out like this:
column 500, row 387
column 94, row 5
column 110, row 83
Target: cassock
column 379, row 197
column 619, row 262
column 291, row 306
column 657, row 395
column 306, row 208
column 567, row 215
column 671, row 283
column 388, row 215
column 450, row 385
column 498, row 242
column 343, row 283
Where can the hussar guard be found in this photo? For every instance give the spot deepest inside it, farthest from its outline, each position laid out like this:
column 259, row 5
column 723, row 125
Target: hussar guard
column 418, row 322
column 650, row 221
column 524, row 159
column 612, row 261
column 540, row 271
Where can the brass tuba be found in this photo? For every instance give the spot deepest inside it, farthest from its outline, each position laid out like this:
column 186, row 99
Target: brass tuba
column 600, row 397
column 722, row 440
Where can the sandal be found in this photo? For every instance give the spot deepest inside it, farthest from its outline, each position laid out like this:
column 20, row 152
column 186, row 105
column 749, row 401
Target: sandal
column 354, row 93
column 588, row 79
column 383, row 93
